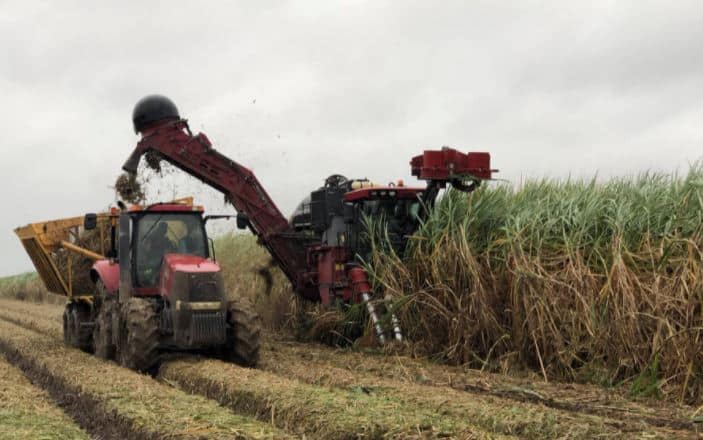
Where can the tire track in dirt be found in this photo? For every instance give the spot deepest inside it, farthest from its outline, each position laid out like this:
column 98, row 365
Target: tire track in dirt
column 527, row 420
column 305, row 409
column 28, row 412
column 317, row 364
column 112, row 402
column 345, row 369
column 317, row 412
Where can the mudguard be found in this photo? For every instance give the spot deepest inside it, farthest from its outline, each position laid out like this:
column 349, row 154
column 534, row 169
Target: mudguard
column 109, row 273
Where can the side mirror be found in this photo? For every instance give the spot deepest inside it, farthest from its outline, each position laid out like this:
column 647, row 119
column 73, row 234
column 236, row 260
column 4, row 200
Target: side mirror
column 90, row 221
column 242, row 220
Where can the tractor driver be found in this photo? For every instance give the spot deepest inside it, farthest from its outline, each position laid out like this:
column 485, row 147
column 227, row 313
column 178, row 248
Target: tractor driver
column 157, row 245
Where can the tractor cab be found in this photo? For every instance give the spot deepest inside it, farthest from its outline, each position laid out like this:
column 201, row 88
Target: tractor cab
column 152, row 238
column 164, row 230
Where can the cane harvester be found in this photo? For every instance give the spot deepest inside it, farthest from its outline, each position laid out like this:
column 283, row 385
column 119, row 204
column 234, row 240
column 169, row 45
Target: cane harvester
column 153, row 287
column 320, row 247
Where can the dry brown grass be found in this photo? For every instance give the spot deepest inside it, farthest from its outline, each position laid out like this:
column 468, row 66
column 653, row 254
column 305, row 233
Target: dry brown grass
column 577, row 281
column 573, row 281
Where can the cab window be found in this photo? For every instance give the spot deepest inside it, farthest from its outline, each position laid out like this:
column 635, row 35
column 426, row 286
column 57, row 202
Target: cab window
column 158, row 234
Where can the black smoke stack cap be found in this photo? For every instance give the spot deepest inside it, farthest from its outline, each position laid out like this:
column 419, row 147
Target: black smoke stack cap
column 152, row 109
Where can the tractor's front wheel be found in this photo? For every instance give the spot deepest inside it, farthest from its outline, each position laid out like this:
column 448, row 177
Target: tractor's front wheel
column 139, row 338
column 243, row 334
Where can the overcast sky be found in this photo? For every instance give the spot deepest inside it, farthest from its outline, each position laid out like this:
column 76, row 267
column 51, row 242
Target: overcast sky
column 300, row 90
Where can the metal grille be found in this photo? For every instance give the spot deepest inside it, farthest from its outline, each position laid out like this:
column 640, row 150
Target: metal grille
column 208, row 328
column 202, row 287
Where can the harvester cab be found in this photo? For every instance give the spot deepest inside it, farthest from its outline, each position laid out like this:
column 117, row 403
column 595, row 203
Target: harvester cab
column 339, row 213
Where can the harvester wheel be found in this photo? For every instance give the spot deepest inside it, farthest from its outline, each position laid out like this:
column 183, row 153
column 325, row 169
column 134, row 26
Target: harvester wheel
column 139, row 341
column 82, row 334
column 102, row 332
column 243, row 334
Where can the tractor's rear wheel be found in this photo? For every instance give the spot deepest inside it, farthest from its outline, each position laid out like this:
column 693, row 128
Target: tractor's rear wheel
column 82, row 334
column 243, row 337
column 139, row 339
column 68, row 324
column 102, row 332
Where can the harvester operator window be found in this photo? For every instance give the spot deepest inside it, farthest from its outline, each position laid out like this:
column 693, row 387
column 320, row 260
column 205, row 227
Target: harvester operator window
column 159, row 234
column 406, row 210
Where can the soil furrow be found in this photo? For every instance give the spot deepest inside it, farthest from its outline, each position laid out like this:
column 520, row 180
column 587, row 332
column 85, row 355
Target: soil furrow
column 112, row 402
column 524, row 419
column 316, row 411
column 317, row 364
column 305, row 409
column 29, row 412
column 351, row 369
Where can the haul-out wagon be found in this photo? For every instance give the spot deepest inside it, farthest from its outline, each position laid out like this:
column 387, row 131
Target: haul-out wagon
column 62, row 253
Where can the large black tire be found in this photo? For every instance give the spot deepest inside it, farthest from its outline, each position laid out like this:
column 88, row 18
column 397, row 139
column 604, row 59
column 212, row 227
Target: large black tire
column 102, row 331
column 243, row 337
column 139, row 339
column 68, row 324
column 82, row 334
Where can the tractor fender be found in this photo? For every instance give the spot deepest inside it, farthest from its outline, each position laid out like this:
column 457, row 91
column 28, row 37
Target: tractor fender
column 109, row 273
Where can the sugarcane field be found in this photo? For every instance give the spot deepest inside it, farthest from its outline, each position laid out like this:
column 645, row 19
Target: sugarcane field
column 352, row 220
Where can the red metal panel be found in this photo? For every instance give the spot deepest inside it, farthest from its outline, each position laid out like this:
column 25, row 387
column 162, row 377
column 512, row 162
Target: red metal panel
column 448, row 164
column 109, row 272
column 331, row 276
column 359, row 281
column 189, row 263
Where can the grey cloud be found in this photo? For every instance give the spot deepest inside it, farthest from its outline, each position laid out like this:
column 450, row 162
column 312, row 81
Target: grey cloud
column 357, row 87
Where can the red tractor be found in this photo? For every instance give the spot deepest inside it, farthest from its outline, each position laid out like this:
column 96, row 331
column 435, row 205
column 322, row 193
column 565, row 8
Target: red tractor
column 320, row 248
column 160, row 291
